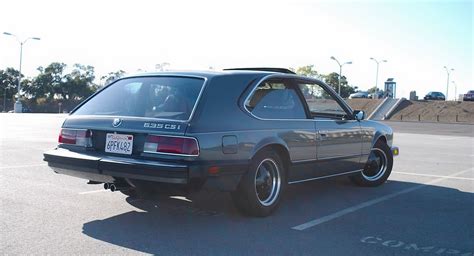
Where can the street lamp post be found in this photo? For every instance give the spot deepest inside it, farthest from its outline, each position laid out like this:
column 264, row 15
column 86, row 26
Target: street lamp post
column 447, row 83
column 376, row 95
column 455, row 90
column 340, row 73
column 18, row 108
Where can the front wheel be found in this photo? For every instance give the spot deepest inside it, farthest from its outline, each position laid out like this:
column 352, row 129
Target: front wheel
column 378, row 167
column 259, row 190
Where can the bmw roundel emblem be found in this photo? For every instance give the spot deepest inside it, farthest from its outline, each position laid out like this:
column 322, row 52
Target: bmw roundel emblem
column 117, row 122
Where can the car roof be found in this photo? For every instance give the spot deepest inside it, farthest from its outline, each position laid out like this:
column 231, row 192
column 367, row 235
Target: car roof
column 208, row 73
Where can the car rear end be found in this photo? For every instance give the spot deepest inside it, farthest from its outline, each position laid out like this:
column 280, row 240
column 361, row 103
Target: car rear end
column 469, row 96
column 134, row 128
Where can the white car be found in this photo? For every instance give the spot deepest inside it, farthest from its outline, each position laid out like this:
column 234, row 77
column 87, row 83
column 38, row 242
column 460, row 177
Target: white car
column 359, row 95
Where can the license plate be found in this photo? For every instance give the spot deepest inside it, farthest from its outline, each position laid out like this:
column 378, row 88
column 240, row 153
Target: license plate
column 119, row 143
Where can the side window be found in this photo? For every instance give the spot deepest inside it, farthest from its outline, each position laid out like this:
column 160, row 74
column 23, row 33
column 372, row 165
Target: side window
column 321, row 104
column 275, row 99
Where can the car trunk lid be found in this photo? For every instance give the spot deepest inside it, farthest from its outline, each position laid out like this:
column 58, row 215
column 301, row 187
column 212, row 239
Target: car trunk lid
column 110, row 133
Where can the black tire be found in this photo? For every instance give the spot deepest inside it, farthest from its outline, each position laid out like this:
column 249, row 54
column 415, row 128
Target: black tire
column 259, row 191
column 378, row 167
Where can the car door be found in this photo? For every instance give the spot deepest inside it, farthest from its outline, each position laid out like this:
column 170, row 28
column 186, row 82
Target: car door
column 278, row 105
column 338, row 134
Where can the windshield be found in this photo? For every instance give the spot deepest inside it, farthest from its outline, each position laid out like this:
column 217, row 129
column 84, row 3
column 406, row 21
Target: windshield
column 158, row 97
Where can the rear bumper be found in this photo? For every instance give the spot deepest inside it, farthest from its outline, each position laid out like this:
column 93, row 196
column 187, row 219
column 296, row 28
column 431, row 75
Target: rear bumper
column 101, row 168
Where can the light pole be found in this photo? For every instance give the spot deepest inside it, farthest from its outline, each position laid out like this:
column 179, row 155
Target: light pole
column 340, row 73
column 447, row 83
column 18, row 108
column 376, row 95
column 455, row 90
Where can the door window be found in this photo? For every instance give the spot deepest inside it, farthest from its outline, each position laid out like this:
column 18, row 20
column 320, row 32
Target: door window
column 275, row 99
column 321, row 103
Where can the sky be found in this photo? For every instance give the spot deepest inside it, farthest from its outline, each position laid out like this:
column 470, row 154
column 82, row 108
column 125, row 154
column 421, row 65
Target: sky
column 417, row 38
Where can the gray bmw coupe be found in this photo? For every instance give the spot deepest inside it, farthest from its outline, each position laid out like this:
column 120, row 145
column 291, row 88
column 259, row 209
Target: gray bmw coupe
column 251, row 132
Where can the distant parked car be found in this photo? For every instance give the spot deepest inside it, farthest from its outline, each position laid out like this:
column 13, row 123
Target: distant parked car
column 379, row 94
column 434, row 96
column 359, row 95
column 469, row 96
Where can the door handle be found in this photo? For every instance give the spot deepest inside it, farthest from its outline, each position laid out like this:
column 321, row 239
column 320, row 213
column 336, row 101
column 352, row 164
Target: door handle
column 322, row 136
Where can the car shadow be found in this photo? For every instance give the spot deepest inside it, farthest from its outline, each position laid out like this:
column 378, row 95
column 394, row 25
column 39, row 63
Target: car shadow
column 209, row 224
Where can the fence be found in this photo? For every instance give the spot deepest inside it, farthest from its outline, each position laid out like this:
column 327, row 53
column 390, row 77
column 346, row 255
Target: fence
column 439, row 118
column 54, row 106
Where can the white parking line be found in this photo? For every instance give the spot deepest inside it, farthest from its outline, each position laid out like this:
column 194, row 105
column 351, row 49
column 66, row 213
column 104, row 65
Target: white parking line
column 450, row 138
column 182, row 198
column 435, row 176
column 92, row 192
column 22, row 166
column 343, row 212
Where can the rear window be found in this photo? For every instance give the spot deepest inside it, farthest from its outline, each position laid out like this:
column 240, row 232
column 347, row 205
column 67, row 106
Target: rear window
column 157, row 97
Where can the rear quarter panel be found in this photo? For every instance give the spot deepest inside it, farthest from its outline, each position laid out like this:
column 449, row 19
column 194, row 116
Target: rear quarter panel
column 220, row 114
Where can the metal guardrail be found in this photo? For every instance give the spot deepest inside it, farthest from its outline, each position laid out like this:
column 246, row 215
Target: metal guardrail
column 385, row 109
column 376, row 109
column 392, row 109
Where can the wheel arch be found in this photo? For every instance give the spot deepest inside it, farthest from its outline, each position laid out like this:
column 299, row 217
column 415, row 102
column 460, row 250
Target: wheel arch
column 380, row 137
column 280, row 148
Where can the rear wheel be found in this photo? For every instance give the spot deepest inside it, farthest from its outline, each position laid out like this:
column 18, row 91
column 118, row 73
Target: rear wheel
column 259, row 190
column 378, row 166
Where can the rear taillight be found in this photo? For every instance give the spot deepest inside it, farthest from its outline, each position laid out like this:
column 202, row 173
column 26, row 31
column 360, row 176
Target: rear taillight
column 79, row 137
column 171, row 145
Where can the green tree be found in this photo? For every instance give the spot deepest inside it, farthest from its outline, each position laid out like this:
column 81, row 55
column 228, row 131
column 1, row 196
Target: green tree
column 48, row 82
column 372, row 90
column 54, row 83
column 9, row 82
column 79, row 83
column 332, row 80
column 112, row 76
column 308, row 71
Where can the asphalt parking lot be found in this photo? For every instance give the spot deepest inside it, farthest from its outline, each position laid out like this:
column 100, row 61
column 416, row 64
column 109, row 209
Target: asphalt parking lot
column 426, row 207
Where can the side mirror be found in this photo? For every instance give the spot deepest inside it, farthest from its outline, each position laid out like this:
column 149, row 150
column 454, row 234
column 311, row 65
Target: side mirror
column 359, row 115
